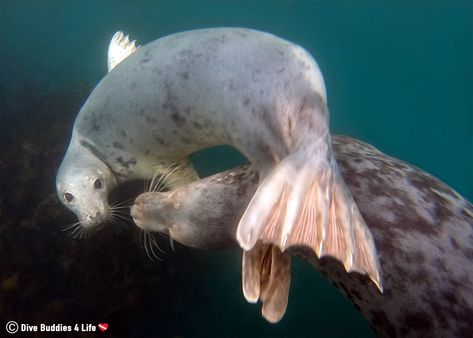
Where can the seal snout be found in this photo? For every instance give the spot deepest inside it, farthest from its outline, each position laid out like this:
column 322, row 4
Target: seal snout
column 139, row 211
column 94, row 217
column 148, row 212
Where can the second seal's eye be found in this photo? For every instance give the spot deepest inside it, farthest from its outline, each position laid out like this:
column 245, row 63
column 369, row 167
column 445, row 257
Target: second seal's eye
column 98, row 184
column 68, row 197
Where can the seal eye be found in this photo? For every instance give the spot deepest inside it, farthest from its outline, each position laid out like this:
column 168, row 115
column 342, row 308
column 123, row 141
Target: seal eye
column 98, row 184
column 68, row 197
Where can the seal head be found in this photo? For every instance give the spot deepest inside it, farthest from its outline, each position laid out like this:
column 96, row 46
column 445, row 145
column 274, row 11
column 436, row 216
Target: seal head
column 183, row 215
column 148, row 216
column 83, row 183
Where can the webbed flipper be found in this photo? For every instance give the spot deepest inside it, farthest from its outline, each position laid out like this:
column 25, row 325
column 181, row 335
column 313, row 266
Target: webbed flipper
column 266, row 276
column 119, row 49
column 309, row 205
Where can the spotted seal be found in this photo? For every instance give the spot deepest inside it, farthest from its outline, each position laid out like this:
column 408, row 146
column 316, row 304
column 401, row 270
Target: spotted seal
column 192, row 90
column 422, row 228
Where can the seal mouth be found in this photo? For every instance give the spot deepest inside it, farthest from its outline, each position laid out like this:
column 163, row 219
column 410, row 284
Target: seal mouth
column 94, row 220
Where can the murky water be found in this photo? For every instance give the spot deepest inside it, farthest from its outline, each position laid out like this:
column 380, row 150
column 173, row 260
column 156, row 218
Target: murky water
column 398, row 75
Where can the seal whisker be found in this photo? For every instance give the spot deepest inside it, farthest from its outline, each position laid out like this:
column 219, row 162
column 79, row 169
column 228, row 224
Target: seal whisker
column 157, row 178
column 119, row 214
column 147, row 244
column 84, row 234
column 163, row 178
column 118, row 220
column 150, row 246
column 153, row 242
column 68, row 227
column 45, row 201
column 77, row 230
column 153, row 181
column 73, row 229
column 116, row 214
column 122, row 202
column 80, row 234
column 168, row 172
column 143, row 242
column 121, row 207
column 115, row 225
column 167, row 183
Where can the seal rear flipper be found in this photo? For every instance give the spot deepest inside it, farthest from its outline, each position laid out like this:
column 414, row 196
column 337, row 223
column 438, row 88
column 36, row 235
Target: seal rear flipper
column 266, row 275
column 310, row 206
column 251, row 272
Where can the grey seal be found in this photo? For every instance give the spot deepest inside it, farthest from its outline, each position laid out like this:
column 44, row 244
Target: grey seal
column 188, row 91
column 423, row 231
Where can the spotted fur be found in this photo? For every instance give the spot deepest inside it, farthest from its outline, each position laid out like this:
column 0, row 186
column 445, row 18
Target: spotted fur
column 422, row 228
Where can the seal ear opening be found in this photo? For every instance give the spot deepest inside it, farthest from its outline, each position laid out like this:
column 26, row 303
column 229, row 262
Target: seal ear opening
column 309, row 205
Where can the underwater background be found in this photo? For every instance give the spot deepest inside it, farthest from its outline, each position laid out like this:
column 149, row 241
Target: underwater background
column 398, row 74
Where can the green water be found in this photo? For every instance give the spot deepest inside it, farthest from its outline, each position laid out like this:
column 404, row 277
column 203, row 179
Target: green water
column 398, row 75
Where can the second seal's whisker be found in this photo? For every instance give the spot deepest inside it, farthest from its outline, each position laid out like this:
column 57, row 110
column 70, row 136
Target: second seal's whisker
column 148, row 242
column 157, row 184
column 153, row 241
column 151, row 244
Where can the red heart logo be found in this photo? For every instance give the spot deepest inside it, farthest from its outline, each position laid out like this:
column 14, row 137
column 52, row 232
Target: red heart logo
column 103, row 327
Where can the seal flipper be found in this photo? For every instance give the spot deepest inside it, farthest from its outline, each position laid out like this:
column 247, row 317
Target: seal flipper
column 266, row 275
column 307, row 203
column 119, row 49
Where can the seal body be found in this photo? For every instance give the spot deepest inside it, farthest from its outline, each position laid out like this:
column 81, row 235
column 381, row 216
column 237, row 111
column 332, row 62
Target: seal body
column 187, row 92
column 422, row 228
column 259, row 93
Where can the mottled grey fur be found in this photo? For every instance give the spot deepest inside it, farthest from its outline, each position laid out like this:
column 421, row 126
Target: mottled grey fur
column 186, row 92
column 196, row 89
column 422, row 228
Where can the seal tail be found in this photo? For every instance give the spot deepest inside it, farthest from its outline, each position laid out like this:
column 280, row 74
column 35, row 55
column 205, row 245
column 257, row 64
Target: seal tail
column 307, row 203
